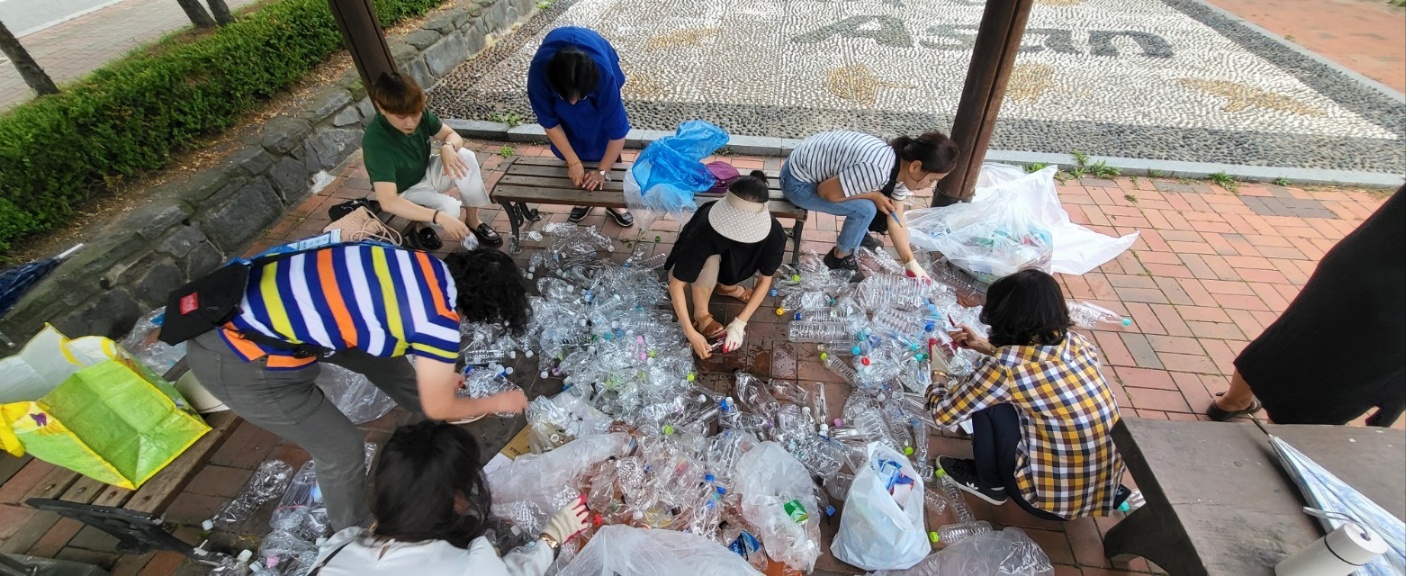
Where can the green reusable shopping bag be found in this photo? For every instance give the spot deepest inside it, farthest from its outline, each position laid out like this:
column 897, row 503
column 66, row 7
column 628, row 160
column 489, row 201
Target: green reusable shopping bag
column 87, row 405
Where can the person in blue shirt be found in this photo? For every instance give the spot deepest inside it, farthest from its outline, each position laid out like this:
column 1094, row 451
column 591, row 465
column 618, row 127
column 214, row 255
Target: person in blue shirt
column 574, row 87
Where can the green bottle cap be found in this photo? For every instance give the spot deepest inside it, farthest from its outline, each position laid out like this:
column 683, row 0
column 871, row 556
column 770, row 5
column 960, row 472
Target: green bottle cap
column 932, row 537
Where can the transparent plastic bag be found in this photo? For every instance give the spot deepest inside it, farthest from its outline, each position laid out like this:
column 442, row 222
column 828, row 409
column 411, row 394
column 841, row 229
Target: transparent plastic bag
column 1007, row 552
column 629, row 551
column 779, row 499
column 670, row 170
column 530, row 488
column 990, row 239
column 143, row 343
column 1077, row 250
column 353, row 394
column 883, row 524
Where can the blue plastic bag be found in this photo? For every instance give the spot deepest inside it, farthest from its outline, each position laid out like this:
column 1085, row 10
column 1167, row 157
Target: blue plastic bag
column 670, row 171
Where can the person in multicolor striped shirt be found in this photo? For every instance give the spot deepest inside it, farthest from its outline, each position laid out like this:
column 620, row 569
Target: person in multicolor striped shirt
column 370, row 306
column 1042, row 415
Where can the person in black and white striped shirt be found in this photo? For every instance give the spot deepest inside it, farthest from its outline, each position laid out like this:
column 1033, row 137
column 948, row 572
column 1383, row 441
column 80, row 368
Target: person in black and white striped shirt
column 868, row 181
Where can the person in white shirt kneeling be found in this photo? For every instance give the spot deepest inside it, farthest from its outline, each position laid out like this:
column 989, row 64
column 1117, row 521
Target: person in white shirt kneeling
column 432, row 506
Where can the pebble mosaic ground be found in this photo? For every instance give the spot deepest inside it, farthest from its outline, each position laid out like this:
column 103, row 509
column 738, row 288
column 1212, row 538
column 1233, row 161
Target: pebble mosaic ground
column 1149, row 79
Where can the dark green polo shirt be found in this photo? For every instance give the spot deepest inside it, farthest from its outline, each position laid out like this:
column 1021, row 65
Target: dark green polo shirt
column 393, row 156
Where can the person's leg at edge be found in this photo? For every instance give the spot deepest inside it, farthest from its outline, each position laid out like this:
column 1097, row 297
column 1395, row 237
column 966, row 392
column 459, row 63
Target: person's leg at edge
column 424, row 194
column 469, row 188
column 289, row 404
column 995, row 462
column 1238, row 396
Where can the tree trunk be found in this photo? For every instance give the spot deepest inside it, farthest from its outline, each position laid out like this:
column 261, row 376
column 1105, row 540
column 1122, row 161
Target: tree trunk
column 197, row 13
column 33, row 75
column 221, row 11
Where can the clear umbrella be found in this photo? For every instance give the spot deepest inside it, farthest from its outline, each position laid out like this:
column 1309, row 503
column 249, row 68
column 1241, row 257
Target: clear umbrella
column 1326, row 492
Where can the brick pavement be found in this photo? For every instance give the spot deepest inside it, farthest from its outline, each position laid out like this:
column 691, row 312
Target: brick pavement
column 70, row 50
column 1211, row 269
column 1366, row 36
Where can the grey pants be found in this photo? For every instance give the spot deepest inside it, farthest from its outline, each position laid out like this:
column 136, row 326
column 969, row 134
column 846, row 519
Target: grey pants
column 289, row 404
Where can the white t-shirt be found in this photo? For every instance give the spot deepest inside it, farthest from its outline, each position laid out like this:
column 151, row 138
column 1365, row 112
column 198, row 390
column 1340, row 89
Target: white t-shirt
column 365, row 557
column 861, row 161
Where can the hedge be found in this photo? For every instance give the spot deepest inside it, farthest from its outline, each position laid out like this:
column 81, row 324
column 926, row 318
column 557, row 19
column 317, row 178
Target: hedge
column 59, row 152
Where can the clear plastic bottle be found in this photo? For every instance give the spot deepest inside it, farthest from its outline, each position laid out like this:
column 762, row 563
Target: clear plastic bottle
column 268, row 482
column 953, row 494
column 920, row 448
column 954, row 533
column 303, row 493
column 843, row 369
column 1089, row 315
column 752, row 395
column 818, row 330
column 934, row 502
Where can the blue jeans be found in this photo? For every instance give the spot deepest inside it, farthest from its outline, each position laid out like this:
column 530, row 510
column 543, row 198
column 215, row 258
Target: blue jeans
column 857, row 213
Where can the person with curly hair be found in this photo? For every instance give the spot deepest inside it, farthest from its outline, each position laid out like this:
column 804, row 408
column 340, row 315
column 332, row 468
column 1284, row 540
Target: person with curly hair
column 364, row 307
column 491, row 290
column 1042, row 414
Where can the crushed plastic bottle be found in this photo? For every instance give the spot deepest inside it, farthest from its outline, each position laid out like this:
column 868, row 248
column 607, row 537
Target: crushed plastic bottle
column 1089, row 315
column 268, row 482
column 953, row 533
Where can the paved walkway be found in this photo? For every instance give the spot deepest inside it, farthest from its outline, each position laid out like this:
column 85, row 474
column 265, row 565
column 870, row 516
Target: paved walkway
column 1367, row 36
column 1146, row 79
column 1211, row 269
column 70, row 50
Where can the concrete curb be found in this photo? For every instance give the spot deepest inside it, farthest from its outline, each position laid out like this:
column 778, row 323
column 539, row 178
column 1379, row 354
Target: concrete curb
column 770, row 146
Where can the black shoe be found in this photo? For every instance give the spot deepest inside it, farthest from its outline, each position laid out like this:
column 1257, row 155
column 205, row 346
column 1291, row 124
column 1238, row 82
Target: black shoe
column 579, row 213
column 622, row 217
column 834, row 262
column 426, row 239
column 870, row 242
column 487, row 236
column 1216, row 413
column 963, row 472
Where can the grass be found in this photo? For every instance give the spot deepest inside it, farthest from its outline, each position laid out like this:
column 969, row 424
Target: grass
column 1281, row 181
column 512, row 119
column 1154, row 173
column 1083, row 168
column 1036, row 167
column 545, row 4
column 1225, row 181
column 506, row 151
column 1130, row 197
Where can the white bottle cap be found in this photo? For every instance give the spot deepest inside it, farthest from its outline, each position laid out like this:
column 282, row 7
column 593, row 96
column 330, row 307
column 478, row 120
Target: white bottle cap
column 244, row 556
column 207, row 525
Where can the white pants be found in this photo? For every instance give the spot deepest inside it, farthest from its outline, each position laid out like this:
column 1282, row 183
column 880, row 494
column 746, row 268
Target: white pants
column 434, row 192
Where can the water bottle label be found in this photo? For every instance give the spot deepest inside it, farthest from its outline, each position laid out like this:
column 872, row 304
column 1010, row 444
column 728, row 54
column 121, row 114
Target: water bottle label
column 796, row 511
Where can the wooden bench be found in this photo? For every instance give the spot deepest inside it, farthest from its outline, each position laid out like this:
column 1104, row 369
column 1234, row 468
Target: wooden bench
column 544, row 181
column 1219, row 502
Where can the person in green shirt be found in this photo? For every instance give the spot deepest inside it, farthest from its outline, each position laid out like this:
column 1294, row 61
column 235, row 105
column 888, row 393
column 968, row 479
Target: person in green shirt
column 444, row 190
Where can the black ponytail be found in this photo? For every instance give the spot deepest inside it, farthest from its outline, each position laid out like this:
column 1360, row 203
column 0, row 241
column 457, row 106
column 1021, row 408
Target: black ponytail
column 751, row 187
column 935, row 150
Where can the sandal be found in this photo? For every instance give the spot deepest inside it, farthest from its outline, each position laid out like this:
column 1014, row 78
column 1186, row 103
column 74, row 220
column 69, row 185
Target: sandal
column 487, row 236
column 1220, row 415
column 708, row 327
column 743, row 293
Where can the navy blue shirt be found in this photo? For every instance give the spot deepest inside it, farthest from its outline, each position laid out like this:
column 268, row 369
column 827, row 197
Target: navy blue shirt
column 599, row 117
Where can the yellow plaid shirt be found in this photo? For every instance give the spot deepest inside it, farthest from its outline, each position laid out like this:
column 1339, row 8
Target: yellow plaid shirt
column 1067, row 463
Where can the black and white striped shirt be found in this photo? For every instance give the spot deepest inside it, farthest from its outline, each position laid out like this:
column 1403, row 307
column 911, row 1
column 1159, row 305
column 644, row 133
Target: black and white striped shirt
column 861, row 161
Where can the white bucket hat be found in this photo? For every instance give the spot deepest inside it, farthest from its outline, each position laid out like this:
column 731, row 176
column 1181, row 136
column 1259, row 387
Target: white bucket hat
column 740, row 220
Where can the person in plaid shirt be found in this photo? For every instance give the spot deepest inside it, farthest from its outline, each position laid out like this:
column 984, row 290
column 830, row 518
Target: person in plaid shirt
column 1042, row 414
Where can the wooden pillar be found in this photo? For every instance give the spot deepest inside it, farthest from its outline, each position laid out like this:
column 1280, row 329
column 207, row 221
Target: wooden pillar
column 993, row 56
column 365, row 39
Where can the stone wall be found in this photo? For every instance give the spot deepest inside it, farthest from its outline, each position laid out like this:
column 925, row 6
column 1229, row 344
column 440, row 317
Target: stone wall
column 187, row 228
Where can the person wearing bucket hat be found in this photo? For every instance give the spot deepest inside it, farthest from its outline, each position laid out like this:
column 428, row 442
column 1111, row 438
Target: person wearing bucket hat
column 725, row 243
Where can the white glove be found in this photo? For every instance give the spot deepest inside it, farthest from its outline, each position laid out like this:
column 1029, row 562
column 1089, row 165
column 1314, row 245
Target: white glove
column 736, row 331
column 569, row 521
column 916, row 271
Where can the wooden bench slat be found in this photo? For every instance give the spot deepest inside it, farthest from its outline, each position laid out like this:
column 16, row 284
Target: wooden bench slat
column 538, row 195
column 617, row 176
